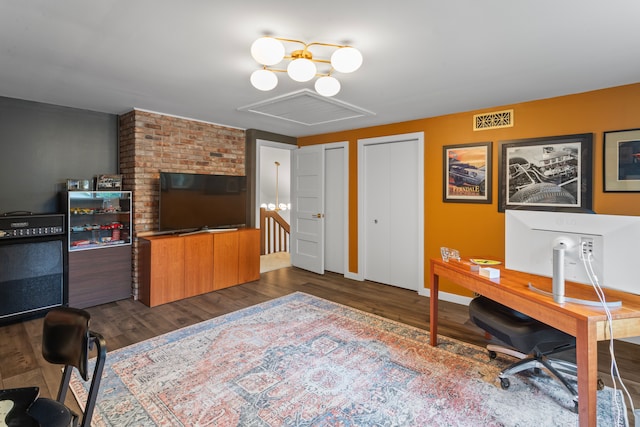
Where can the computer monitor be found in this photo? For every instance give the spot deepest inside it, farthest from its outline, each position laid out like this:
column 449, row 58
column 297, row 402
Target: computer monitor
column 612, row 240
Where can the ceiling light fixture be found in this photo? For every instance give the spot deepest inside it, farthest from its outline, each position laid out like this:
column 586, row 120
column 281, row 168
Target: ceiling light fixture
column 270, row 51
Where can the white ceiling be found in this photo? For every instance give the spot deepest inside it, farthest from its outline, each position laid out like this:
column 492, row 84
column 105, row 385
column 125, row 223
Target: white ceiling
column 422, row 58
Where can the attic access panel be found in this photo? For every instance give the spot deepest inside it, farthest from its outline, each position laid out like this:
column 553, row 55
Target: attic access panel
column 307, row 108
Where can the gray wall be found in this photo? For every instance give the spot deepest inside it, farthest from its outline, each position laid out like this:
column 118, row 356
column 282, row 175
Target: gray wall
column 43, row 145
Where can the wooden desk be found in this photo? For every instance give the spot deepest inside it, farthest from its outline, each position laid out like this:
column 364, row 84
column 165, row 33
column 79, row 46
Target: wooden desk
column 586, row 323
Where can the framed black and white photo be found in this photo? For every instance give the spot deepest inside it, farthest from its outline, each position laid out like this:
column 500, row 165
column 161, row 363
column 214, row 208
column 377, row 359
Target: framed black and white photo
column 622, row 161
column 546, row 173
column 467, row 173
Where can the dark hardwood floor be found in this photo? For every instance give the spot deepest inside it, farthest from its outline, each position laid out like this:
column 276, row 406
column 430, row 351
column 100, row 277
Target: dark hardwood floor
column 126, row 322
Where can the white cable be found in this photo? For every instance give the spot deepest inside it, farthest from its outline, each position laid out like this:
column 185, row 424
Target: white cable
column 614, row 371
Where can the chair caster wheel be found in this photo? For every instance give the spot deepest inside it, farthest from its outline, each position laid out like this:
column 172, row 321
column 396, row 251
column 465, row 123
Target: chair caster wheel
column 505, row 383
column 575, row 406
column 600, row 384
column 492, row 354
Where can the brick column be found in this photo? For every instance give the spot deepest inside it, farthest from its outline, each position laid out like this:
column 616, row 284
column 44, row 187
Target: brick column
column 153, row 142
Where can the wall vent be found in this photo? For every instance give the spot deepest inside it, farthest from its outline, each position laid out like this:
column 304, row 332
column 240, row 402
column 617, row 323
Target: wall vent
column 494, row 120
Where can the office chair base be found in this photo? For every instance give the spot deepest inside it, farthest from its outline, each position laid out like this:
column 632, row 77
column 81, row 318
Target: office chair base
column 505, row 383
column 495, row 349
column 536, row 362
column 526, row 339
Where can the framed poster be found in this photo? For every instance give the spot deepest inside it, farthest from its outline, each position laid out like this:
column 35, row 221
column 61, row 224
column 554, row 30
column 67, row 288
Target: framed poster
column 549, row 173
column 621, row 169
column 108, row 182
column 467, row 173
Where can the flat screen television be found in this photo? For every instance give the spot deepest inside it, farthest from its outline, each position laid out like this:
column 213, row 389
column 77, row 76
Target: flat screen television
column 191, row 202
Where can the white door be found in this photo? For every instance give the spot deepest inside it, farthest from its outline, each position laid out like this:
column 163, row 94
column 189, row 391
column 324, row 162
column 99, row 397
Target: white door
column 335, row 201
column 307, row 215
column 391, row 219
column 377, row 213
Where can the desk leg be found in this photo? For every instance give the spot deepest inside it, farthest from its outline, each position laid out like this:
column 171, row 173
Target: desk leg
column 587, row 360
column 433, row 309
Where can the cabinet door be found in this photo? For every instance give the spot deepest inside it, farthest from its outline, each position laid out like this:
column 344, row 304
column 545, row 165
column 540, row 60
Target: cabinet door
column 248, row 255
column 166, row 270
column 198, row 264
column 98, row 277
column 225, row 259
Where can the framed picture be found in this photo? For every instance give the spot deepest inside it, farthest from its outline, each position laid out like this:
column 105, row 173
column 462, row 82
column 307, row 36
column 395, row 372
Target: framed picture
column 79, row 185
column 552, row 173
column 622, row 160
column 108, row 182
column 467, row 173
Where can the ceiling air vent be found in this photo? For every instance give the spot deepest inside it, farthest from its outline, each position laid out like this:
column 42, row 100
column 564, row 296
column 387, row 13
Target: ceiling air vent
column 495, row 120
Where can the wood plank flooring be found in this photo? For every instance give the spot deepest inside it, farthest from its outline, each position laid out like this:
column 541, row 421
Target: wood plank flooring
column 126, row 322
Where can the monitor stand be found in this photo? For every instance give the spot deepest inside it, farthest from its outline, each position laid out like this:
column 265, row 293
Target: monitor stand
column 558, row 273
column 593, row 303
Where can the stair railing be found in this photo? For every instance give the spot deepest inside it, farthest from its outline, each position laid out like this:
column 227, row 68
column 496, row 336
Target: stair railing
column 274, row 232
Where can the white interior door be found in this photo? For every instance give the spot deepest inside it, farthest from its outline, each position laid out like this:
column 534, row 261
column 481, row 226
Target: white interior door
column 391, row 214
column 335, row 202
column 307, row 215
column 377, row 213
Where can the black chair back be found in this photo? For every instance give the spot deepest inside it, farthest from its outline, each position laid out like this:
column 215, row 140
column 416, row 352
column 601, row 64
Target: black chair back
column 65, row 338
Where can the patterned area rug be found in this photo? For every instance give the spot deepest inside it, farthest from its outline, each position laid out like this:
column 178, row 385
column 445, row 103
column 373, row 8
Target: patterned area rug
column 304, row 361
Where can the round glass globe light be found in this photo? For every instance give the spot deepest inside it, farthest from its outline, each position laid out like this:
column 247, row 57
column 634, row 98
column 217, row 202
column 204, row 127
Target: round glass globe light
column 327, row 86
column 267, row 51
column 301, row 70
column 346, row 59
column 264, row 80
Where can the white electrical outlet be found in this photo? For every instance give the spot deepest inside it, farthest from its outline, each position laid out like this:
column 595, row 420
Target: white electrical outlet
column 586, row 247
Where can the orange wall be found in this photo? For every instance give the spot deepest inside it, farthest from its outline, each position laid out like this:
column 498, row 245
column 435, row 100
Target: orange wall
column 478, row 229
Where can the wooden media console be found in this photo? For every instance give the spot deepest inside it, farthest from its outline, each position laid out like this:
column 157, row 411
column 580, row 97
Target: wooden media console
column 173, row 267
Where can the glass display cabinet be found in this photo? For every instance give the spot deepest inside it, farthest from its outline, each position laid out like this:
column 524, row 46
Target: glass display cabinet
column 98, row 219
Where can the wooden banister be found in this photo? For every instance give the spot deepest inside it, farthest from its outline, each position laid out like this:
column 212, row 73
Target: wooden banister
column 274, row 232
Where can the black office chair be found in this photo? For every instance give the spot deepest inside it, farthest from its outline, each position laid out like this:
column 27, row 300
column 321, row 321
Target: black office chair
column 529, row 340
column 67, row 340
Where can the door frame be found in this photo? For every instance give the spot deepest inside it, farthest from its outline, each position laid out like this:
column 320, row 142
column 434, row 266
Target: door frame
column 362, row 144
column 256, row 196
column 251, row 153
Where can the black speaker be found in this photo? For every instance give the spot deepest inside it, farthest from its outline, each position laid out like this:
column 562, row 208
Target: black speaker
column 32, row 277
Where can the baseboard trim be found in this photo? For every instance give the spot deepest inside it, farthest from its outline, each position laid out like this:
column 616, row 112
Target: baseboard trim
column 353, row 276
column 446, row 296
column 425, row 292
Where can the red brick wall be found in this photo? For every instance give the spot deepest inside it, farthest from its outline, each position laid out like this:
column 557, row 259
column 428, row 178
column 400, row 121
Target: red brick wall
column 152, row 142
